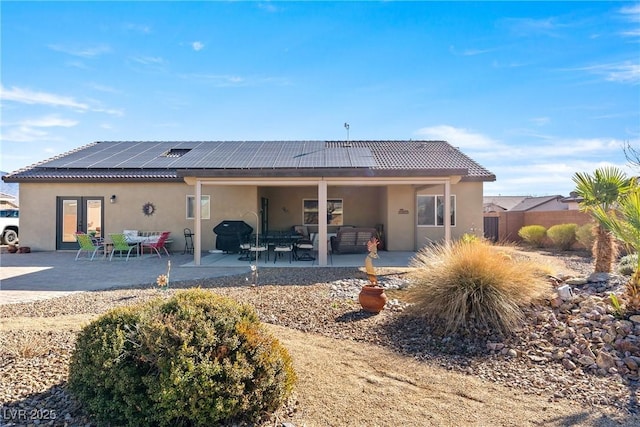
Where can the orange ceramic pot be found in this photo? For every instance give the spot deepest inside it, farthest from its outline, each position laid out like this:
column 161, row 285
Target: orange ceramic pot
column 372, row 298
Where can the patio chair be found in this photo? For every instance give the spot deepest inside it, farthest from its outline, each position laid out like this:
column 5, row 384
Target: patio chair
column 256, row 248
column 283, row 245
column 87, row 245
column 157, row 245
column 303, row 246
column 243, row 246
column 188, row 241
column 121, row 245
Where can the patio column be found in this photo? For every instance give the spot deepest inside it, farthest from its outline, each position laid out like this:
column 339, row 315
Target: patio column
column 322, row 223
column 447, row 211
column 197, row 244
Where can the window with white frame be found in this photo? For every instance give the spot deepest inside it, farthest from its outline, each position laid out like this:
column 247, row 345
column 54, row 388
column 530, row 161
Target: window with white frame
column 205, row 207
column 431, row 209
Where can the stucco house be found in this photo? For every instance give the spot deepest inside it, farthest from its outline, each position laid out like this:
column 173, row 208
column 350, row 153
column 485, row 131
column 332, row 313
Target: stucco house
column 402, row 187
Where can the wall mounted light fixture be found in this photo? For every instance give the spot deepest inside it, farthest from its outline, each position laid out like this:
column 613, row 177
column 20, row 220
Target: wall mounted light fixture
column 113, row 198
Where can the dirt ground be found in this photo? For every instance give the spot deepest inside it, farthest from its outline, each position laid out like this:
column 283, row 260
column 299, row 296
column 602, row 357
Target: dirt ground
column 346, row 383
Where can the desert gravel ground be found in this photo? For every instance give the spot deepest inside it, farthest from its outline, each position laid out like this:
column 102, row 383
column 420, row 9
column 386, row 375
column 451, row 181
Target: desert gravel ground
column 354, row 369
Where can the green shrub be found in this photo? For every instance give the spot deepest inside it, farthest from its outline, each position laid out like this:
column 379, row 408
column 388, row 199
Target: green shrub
column 533, row 235
column 585, row 235
column 469, row 238
column 628, row 264
column 195, row 359
column 466, row 285
column 563, row 236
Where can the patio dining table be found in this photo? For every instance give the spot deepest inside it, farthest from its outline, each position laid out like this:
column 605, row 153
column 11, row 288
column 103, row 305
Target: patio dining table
column 139, row 240
column 272, row 238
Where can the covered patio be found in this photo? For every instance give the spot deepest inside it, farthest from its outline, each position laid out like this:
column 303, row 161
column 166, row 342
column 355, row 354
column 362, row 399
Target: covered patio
column 396, row 226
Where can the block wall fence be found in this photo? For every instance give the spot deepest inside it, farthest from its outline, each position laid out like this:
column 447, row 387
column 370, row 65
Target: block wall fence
column 510, row 222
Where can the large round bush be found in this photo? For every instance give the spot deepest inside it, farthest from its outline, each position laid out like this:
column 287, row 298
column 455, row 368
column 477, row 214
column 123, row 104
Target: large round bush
column 533, row 235
column 563, row 236
column 195, row 359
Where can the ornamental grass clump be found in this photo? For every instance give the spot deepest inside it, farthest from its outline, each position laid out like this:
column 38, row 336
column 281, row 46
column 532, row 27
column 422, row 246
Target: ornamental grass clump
column 195, row 359
column 464, row 286
column 563, row 236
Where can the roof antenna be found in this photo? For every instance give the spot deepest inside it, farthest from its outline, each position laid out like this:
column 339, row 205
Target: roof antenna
column 346, row 126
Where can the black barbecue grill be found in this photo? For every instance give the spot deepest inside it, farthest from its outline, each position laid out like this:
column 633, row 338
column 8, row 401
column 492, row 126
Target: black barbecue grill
column 230, row 234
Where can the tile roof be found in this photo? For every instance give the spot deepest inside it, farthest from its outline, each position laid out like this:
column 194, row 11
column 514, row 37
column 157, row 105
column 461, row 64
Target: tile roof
column 171, row 160
column 533, row 202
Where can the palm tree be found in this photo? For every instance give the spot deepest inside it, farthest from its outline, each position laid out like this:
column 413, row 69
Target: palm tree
column 600, row 191
column 625, row 225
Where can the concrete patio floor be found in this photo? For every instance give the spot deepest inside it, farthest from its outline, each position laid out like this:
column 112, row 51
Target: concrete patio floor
column 385, row 259
column 38, row 275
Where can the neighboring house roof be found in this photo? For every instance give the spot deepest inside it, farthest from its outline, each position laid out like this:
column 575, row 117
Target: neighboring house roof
column 501, row 203
column 534, row 202
column 521, row 203
column 8, row 200
column 573, row 198
column 173, row 160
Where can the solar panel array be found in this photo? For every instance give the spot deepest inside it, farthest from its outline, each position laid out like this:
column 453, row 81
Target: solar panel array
column 392, row 155
column 215, row 155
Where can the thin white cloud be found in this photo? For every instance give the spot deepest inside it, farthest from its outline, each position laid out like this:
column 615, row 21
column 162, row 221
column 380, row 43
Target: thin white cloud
column 24, row 134
column 632, row 13
column 622, row 72
column 148, row 60
column 34, row 129
column 77, row 64
column 533, row 27
column 554, row 147
column 139, row 28
column 27, row 96
column 49, row 121
column 541, row 121
column 548, row 178
column 470, row 52
column 220, row 80
column 229, row 80
column 103, row 88
column 459, row 137
column 83, row 52
column 197, row 46
column 268, row 7
column 535, row 147
column 110, row 111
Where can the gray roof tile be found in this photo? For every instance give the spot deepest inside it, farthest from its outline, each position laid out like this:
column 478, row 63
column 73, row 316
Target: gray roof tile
column 148, row 160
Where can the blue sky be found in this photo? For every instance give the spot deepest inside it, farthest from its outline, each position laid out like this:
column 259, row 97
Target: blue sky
column 532, row 91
